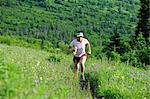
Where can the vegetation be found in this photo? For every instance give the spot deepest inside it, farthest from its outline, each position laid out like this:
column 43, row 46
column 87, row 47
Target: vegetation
column 28, row 73
column 40, row 67
column 58, row 20
column 116, row 80
column 144, row 20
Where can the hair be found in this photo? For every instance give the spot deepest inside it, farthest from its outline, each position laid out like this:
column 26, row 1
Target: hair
column 80, row 31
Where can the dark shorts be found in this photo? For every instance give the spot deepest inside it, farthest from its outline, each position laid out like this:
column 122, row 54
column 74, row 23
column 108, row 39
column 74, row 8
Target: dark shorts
column 77, row 59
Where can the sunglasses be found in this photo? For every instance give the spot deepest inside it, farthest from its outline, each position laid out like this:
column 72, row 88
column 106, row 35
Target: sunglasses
column 79, row 36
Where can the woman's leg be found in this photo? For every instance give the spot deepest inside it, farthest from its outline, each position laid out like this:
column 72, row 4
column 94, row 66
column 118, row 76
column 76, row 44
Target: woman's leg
column 76, row 69
column 83, row 59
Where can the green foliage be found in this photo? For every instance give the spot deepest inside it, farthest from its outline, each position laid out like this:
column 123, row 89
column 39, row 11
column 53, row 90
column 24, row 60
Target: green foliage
column 27, row 73
column 111, row 79
column 55, row 58
column 24, row 42
column 50, row 25
column 107, row 24
column 143, row 24
column 60, row 19
column 27, row 42
column 63, row 47
column 115, row 56
column 134, row 51
column 97, row 52
column 138, row 56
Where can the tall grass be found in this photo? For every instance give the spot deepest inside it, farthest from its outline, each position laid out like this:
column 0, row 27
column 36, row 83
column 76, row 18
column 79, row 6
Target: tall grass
column 28, row 74
column 112, row 80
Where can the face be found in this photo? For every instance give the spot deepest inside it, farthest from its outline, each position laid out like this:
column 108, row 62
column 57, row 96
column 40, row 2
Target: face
column 79, row 38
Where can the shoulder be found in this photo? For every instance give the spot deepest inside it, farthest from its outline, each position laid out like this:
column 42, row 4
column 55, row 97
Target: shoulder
column 73, row 41
column 85, row 40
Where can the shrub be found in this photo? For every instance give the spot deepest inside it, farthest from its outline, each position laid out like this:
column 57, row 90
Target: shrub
column 54, row 58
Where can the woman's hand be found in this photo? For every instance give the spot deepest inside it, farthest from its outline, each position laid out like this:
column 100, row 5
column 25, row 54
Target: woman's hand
column 74, row 50
column 89, row 53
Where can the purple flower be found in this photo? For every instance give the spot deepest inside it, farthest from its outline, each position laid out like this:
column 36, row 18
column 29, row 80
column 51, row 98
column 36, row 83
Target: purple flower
column 131, row 71
column 36, row 81
column 142, row 73
column 46, row 95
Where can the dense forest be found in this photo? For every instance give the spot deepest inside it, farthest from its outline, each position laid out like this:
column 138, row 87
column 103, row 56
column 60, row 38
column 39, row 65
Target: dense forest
column 112, row 26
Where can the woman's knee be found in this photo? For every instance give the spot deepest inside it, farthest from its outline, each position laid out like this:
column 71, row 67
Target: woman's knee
column 83, row 60
column 82, row 63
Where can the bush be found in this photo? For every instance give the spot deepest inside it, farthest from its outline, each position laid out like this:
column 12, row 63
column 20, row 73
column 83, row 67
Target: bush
column 138, row 56
column 5, row 40
column 63, row 47
column 54, row 58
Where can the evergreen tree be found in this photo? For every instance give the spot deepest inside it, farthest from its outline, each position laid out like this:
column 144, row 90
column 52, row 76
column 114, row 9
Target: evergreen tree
column 139, row 55
column 144, row 16
column 114, row 46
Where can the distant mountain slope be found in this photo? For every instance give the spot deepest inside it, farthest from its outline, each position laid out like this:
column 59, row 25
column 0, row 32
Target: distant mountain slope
column 57, row 20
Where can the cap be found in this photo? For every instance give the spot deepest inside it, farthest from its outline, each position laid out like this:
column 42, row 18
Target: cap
column 79, row 34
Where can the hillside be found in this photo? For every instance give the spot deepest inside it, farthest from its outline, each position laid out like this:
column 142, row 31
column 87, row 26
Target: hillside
column 109, row 25
column 58, row 20
column 35, row 60
column 28, row 73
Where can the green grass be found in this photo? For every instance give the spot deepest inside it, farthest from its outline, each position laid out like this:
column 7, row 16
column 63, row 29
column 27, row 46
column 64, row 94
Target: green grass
column 115, row 80
column 27, row 73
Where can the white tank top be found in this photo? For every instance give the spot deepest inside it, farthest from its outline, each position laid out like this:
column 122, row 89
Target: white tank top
column 80, row 46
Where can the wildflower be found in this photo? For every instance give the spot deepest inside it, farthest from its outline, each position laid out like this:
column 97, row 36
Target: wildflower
column 33, row 67
column 129, row 87
column 47, row 78
column 36, row 81
column 38, row 63
column 131, row 71
column 41, row 78
column 99, row 86
column 35, row 90
column 12, row 60
column 46, row 95
column 35, row 75
column 122, row 77
column 142, row 73
column 117, row 76
column 109, row 67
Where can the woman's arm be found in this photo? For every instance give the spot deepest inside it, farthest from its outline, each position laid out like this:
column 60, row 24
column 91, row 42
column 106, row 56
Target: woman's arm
column 89, row 48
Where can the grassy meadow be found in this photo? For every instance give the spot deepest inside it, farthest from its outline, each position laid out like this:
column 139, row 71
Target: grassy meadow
column 27, row 73
column 35, row 62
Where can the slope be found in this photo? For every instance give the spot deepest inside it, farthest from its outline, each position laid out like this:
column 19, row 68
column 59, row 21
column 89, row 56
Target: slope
column 58, row 20
column 28, row 73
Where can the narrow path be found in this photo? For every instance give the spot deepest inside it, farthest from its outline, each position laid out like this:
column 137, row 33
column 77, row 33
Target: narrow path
column 89, row 88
